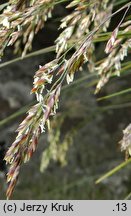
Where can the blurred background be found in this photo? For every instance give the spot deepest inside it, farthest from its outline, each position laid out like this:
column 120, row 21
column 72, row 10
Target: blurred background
column 88, row 128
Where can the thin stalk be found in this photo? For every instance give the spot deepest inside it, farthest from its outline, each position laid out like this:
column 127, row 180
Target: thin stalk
column 101, row 37
column 115, row 106
column 70, row 185
column 113, row 171
column 128, row 196
column 15, row 115
column 32, row 54
column 76, row 82
column 26, row 108
column 114, row 94
column 120, row 2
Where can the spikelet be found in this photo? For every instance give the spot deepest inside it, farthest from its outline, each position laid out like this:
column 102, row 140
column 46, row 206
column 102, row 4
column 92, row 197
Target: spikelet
column 78, row 58
column 117, row 49
column 28, row 134
column 125, row 143
column 111, row 41
column 21, row 21
column 42, row 77
column 79, row 23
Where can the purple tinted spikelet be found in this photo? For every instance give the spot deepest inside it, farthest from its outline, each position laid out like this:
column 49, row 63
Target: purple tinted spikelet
column 28, row 134
column 111, row 42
